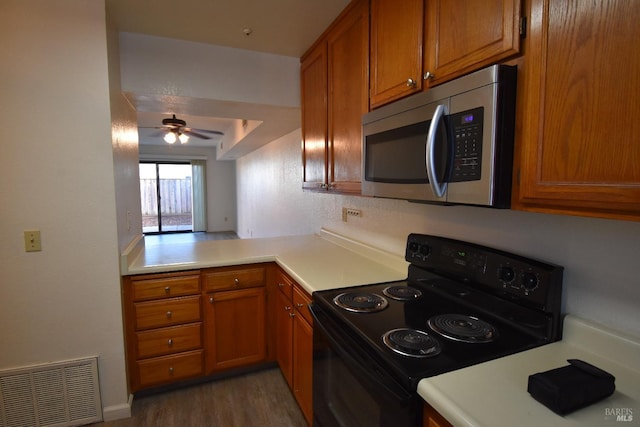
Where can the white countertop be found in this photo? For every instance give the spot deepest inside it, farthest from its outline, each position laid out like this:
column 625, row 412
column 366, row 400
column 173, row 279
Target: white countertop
column 316, row 262
column 494, row 393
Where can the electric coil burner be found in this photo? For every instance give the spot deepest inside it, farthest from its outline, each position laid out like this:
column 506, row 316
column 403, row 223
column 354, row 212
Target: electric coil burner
column 402, row 293
column 461, row 304
column 361, row 302
column 411, row 342
column 460, row 327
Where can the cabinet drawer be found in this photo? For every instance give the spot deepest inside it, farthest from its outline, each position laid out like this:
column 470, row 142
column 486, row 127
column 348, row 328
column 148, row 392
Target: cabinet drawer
column 285, row 285
column 301, row 303
column 223, row 278
column 174, row 339
column 166, row 369
column 145, row 289
column 167, row 312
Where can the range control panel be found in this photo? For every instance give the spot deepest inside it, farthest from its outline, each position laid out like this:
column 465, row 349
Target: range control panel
column 538, row 283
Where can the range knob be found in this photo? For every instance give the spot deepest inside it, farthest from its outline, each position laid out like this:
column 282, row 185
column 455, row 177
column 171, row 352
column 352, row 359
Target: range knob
column 424, row 250
column 529, row 281
column 506, row 274
column 413, row 247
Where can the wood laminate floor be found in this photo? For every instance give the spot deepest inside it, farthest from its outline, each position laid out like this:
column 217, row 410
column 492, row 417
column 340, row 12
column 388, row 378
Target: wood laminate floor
column 259, row 398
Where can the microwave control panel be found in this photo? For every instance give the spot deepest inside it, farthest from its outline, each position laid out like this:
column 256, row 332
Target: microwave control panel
column 466, row 128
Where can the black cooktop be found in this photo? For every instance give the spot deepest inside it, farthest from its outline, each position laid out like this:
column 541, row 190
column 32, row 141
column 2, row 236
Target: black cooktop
column 515, row 329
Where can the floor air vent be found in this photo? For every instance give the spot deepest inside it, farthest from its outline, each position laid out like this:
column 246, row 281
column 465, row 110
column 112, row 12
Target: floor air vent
column 56, row 394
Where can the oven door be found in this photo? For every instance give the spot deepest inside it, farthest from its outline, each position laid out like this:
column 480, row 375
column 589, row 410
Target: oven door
column 350, row 388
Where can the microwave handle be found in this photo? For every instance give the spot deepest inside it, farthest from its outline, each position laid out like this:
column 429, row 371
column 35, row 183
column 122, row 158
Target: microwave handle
column 438, row 188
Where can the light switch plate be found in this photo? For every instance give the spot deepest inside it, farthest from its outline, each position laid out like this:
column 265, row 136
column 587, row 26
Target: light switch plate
column 32, row 241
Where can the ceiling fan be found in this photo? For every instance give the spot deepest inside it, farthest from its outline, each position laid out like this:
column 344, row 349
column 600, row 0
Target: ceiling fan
column 175, row 129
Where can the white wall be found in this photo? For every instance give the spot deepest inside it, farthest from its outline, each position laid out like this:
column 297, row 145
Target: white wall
column 221, row 181
column 57, row 175
column 600, row 256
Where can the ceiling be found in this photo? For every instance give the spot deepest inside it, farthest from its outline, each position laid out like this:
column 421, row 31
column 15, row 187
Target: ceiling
column 282, row 27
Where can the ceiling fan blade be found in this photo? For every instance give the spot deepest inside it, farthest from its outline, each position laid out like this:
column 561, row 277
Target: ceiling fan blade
column 215, row 132
column 196, row 134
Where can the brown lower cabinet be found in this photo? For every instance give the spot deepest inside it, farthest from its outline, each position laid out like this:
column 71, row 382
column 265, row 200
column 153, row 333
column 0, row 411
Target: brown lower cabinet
column 431, row 418
column 294, row 332
column 191, row 324
column 163, row 324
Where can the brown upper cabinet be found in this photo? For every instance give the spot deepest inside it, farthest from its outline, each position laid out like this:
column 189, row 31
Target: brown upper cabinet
column 396, row 49
column 334, row 85
column 462, row 36
column 580, row 152
column 416, row 44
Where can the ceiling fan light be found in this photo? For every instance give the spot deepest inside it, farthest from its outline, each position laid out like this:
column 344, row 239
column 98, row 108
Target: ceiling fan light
column 170, row 137
column 183, row 138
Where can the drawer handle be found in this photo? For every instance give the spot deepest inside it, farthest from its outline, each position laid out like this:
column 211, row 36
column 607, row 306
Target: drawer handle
column 170, row 342
column 169, row 314
column 236, row 281
column 170, row 370
column 167, row 289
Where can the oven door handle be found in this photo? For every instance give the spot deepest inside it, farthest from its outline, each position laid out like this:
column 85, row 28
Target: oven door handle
column 363, row 365
column 438, row 188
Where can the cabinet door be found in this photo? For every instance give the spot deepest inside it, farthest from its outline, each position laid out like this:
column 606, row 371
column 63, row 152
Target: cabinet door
column 284, row 337
column 580, row 146
column 396, row 49
column 303, row 362
column 313, row 80
column 463, row 36
column 348, row 62
column 235, row 328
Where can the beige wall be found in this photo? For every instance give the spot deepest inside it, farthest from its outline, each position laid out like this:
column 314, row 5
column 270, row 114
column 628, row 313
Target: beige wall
column 599, row 256
column 57, row 175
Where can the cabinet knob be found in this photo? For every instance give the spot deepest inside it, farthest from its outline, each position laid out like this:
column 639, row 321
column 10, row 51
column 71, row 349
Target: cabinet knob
column 169, row 314
column 281, row 285
column 324, row 186
column 236, row 281
column 292, row 315
column 210, row 300
column 287, row 308
column 411, row 83
column 428, row 75
column 170, row 370
column 167, row 289
column 170, row 342
column 299, row 305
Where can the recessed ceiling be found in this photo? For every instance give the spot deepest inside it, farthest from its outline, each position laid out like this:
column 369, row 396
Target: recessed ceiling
column 281, row 27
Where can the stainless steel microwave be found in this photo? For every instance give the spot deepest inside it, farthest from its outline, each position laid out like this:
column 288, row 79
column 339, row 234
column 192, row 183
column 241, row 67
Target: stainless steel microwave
column 450, row 145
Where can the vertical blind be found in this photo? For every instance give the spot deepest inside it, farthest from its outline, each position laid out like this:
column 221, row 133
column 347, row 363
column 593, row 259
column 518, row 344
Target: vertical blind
column 199, row 191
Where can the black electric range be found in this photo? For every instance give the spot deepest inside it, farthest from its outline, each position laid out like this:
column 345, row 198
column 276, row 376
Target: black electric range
column 461, row 304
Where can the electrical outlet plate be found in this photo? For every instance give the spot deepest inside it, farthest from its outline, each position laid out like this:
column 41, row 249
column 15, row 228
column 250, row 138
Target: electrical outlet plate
column 350, row 212
column 32, row 241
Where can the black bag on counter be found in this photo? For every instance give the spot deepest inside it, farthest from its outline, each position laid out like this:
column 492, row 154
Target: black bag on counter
column 563, row 390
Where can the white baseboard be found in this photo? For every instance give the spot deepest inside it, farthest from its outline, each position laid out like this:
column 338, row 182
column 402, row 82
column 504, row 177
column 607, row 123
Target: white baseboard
column 118, row 412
